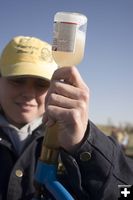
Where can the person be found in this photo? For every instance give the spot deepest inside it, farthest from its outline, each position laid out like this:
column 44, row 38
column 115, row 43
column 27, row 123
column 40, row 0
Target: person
column 121, row 137
column 35, row 94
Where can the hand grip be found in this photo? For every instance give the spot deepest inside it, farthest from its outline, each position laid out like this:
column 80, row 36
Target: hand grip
column 50, row 146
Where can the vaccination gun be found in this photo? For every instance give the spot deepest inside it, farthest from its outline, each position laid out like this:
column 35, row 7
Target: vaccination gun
column 68, row 50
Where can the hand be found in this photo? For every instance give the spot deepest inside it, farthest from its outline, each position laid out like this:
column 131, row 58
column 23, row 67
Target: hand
column 67, row 104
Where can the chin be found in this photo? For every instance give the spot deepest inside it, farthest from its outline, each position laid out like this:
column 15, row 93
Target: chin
column 26, row 120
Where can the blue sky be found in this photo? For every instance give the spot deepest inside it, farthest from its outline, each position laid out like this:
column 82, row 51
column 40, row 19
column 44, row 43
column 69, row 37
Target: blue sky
column 107, row 67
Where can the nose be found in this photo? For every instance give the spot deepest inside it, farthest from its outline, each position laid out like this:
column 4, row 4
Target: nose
column 29, row 91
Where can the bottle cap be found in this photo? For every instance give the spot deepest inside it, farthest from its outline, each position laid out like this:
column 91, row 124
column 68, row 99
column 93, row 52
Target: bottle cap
column 71, row 17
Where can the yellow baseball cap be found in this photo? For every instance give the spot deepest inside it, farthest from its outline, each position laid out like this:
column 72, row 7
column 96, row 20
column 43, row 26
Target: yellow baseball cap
column 30, row 56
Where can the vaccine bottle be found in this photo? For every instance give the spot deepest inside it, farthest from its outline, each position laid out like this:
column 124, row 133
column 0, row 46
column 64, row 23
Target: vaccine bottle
column 69, row 36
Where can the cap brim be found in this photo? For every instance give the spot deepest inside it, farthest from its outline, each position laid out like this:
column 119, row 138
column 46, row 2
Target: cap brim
column 30, row 69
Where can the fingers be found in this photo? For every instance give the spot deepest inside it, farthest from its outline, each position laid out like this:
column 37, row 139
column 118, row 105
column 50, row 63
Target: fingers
column 67, row 82
column 58, row 106
column 66, row 96
column 70, row 75
column 67, row 93
column 62, row 115
column 68, row 103
column 47, row 121
column 66, row 90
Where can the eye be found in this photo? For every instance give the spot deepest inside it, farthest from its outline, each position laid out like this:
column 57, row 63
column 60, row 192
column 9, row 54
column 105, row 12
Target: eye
column 16, row 82
column 42, row 84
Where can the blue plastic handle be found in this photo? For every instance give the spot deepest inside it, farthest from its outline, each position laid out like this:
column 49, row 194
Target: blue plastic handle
column 46, row 175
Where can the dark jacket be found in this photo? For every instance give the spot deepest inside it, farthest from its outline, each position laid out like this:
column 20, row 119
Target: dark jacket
column 93, row 172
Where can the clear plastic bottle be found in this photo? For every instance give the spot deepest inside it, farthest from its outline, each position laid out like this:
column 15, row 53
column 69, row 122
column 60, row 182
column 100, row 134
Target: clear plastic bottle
column 69, row 38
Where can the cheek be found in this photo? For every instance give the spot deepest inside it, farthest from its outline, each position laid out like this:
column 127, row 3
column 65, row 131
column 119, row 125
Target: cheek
column 7, row 96
column 6, row 101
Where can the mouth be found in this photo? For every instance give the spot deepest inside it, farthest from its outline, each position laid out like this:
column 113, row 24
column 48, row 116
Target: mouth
column 26, row 106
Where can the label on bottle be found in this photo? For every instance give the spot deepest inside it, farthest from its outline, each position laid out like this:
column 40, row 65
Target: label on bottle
column 64, row 36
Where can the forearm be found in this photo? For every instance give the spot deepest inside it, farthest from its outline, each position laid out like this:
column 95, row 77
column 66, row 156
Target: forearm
column 100, row 162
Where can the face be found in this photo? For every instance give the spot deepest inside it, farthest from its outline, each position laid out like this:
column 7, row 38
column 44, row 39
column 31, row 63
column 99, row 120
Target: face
column 22, row 99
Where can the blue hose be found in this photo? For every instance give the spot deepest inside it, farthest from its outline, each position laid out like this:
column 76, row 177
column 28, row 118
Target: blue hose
column 46, row 175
